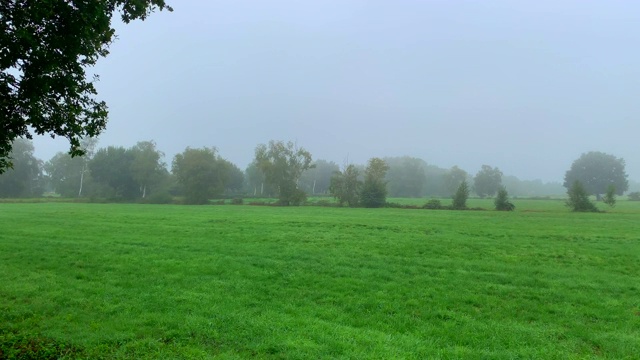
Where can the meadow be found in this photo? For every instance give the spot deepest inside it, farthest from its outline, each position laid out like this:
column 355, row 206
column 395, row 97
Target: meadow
column 133, row 281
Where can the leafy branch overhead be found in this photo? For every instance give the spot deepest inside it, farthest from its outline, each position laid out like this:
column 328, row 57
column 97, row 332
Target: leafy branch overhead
column 45, row 48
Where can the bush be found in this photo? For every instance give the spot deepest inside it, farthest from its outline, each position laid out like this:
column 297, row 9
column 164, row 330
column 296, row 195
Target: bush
column 461, row 196
column 610, row 196
column 502, row 201
column 433, row 204
column 634, row 196
column 579, row 199
column 373, row 194
column 158, row 198
column 237, row 201
column 324, row 202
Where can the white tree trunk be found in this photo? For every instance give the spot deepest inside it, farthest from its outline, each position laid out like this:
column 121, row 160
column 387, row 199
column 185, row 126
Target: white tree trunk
column 81, row 179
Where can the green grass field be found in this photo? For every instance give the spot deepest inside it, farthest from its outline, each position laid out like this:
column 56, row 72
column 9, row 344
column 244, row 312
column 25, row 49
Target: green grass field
column 118, row 281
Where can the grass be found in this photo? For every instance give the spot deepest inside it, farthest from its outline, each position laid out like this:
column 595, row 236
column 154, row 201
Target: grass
column 119, row 281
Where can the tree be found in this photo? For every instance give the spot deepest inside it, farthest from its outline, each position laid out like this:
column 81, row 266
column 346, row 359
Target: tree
column 25, row 179
column 45, row 47
column 579, row 199
column 147, row 167
column 453, row 178
column 610, row 196
column 596, row 171
column 282, row 165
column 346, row 186
column 461, row 196
column 374, row 189
column 317, row 179
column 502, row 202
column 235, row 177
column 88, row 145
column 406, row 176
column 111, row 168
column 487, row 181
column 67, row 175
column 201, row 172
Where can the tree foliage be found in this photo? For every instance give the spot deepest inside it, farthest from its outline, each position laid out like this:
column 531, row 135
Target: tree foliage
column 406, row 176
column 346, row 186
column 64, row 174
column 502, row 202
column 282, row 165
column 147, row 167
column 111, row 168
column 596, row 171
column 487, row 181
column 25, row 179
column 317, row 180
column 374, row 189
column 45, row 48
column 201, row 173
column 610, row 196
column 453, row 178
column 461, row 196
column 578, row 199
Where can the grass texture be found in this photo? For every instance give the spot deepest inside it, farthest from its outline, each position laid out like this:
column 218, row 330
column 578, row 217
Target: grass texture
column 117, row 281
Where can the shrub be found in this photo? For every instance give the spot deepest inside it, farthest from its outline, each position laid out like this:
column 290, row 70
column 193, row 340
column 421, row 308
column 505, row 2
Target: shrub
column 579, row 199
column 610, row 196
column 502, row 201
column 434, row 204
column 159, row 198
column 461, row 196
column 237, row 201
column 634, row 196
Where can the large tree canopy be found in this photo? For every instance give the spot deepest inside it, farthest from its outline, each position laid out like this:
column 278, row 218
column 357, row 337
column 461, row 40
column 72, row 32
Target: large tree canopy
column 283, row 164
column 45, row 47
column 596, row 171
column 487, row 181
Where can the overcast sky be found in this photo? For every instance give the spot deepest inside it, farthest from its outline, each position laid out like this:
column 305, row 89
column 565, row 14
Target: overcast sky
column 523, row 85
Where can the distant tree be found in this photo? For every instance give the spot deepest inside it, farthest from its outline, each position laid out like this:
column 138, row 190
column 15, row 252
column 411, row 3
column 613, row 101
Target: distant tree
column 487, row 181
column 610, row 196
column 235, row 177
column 453, row 178
column 435, row 181
column 579, row 199
column 67, row 175
column 317, row 179
column 283, row 164
column 374, row 189
column 406, row 176
column 201, row 173
column 147, row 167
column 634, row 196
column 25, row 178
column 502, row 202
column 45, row 47
column 346, row 186
column 461, row 196
column 596, row 171
column 111, row 168
column 88, row 147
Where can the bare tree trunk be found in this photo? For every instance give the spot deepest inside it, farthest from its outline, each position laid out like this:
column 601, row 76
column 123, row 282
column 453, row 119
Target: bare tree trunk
column 314, row 187
column 144, row 191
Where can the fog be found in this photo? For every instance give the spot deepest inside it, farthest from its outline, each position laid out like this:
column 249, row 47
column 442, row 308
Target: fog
column 524, row 86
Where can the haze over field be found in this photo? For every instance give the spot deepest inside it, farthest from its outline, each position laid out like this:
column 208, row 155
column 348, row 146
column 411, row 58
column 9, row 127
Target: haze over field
column 524, row 86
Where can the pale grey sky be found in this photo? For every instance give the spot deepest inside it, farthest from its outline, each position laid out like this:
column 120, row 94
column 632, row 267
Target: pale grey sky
column 523, row 85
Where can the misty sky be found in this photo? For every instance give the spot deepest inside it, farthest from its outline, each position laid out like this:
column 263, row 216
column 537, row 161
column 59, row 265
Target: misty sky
column 523, row 85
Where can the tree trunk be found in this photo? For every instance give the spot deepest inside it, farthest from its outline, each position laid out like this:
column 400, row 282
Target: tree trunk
column 81, row 180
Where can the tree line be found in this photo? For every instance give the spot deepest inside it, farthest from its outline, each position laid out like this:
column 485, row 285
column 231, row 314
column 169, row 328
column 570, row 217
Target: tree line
column 279, row 169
